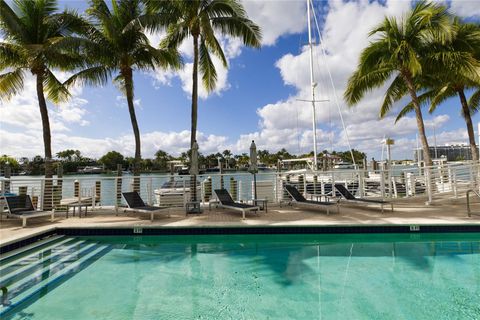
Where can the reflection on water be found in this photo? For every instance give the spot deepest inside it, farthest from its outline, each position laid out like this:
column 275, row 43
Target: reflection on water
column 275, row 277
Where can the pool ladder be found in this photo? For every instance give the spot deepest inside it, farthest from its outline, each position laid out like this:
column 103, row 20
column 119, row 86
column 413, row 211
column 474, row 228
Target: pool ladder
column 469, row 211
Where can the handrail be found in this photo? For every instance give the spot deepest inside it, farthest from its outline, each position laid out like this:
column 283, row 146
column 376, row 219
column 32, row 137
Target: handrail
column 469, row 212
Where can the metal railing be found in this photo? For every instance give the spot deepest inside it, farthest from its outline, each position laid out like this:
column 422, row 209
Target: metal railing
column 469, row 211
column 175, row 191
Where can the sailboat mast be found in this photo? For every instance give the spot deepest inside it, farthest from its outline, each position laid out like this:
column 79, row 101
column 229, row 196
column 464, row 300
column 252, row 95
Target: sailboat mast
column 313, row 85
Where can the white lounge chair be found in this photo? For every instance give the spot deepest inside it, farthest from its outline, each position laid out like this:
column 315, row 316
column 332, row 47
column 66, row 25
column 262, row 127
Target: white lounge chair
column 21, row 207
column 299, row 200
column 349, row 197
column 136, row 204
column 227, row 202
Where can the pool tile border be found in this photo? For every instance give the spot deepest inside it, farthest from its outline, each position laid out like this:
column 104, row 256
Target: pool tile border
column 233, row 230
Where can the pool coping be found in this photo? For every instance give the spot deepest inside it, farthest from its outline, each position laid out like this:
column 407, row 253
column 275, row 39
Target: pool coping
column 142, row 230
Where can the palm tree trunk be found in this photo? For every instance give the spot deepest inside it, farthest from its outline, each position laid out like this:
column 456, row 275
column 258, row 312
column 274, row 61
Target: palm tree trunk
column 420, row 125
column 47, row 144
column 468, row 120
column 127, row 73
column 193, row 132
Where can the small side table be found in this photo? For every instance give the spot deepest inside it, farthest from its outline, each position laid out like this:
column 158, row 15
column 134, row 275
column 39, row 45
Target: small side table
column 79, row 206
column 213, row 202
column 193, row 207
column 262, row 203
column 319, row 196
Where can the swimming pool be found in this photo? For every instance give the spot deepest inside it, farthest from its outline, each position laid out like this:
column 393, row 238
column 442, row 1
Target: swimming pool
column 356, row 276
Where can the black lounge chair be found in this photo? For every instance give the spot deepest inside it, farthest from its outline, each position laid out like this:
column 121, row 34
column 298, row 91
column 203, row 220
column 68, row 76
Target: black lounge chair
column 349, row 197
column 21, row 207
column 299, row 200
column 136, row 204
column 227, row 202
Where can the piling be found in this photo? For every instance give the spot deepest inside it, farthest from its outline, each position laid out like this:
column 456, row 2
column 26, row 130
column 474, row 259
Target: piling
column 118, row 189
column 98, row 191
column 234, row 188
column 8, row 174
column 208, row 189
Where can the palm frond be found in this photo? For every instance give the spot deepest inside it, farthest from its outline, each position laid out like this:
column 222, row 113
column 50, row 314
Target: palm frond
column 176, row 34
column 93, row 76
column 12, row 25
column 474, row 101
column 56, row 91
column 359, row 84
column 12, row 55
column 207, row 68
column 395, row 92
column 406, row 110
column 439, row 95
column 212, row 42
column 11, row 83
column 242, row 28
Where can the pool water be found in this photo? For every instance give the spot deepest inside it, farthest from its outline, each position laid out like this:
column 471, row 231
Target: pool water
column 382, row 276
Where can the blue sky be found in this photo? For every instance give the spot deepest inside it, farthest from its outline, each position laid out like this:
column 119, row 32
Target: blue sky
column 256, row 98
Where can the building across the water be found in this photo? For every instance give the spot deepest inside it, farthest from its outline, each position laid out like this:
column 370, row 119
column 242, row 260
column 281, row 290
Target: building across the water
column 450, row 153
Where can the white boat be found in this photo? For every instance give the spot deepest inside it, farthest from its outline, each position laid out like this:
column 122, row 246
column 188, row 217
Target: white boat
column 344, row 166
column 90, row 169
column 175, row 193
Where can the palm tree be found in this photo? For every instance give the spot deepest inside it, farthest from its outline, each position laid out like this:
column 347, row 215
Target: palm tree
column 457, row 76
column 202, row 20
column 400, row 50
column 37, row 40
column 117, row 44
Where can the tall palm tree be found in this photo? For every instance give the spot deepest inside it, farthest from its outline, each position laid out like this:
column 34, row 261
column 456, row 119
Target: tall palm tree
column 37, row 40
column 400, row 50
column 203, row 20
column 461, row 73
column 117, row 44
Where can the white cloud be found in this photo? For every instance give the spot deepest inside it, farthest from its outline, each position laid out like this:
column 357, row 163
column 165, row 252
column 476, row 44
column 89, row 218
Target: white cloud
column 277, row 18
column 465, row 8
column 344, row 36
column 20, row 144
column 269, row 15
column 22, row 110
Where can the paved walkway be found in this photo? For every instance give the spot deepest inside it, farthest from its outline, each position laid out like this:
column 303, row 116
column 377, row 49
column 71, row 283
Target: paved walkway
column 407, row 212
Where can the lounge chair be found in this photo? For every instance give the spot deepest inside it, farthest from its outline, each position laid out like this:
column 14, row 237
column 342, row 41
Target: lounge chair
column 299, row 200
column 136, row 204
column 21, row 207
column 227, row 202
column 349, row 197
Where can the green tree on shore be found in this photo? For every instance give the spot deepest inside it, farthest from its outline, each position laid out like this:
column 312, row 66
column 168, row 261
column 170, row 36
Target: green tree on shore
column 111, row 159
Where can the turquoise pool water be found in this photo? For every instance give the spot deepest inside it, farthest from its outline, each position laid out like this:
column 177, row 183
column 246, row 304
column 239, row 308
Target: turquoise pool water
column 387, row 276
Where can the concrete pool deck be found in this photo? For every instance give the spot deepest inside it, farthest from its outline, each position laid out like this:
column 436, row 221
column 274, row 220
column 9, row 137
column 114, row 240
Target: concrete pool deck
column 447, row 211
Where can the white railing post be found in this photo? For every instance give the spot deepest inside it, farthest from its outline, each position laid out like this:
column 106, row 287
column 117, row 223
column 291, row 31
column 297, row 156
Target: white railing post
column 334, row 194
column 360, row 184
column 185, row 193
column 41, row 195
column 394, row 188
column 382, row 183
column 239, row 190
column 2, row 194
column 454, row 178
column 428, row 184
column 93, row 198
column 472, row 184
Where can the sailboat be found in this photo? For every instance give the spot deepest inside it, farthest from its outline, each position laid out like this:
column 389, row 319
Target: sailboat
column 313, row 163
